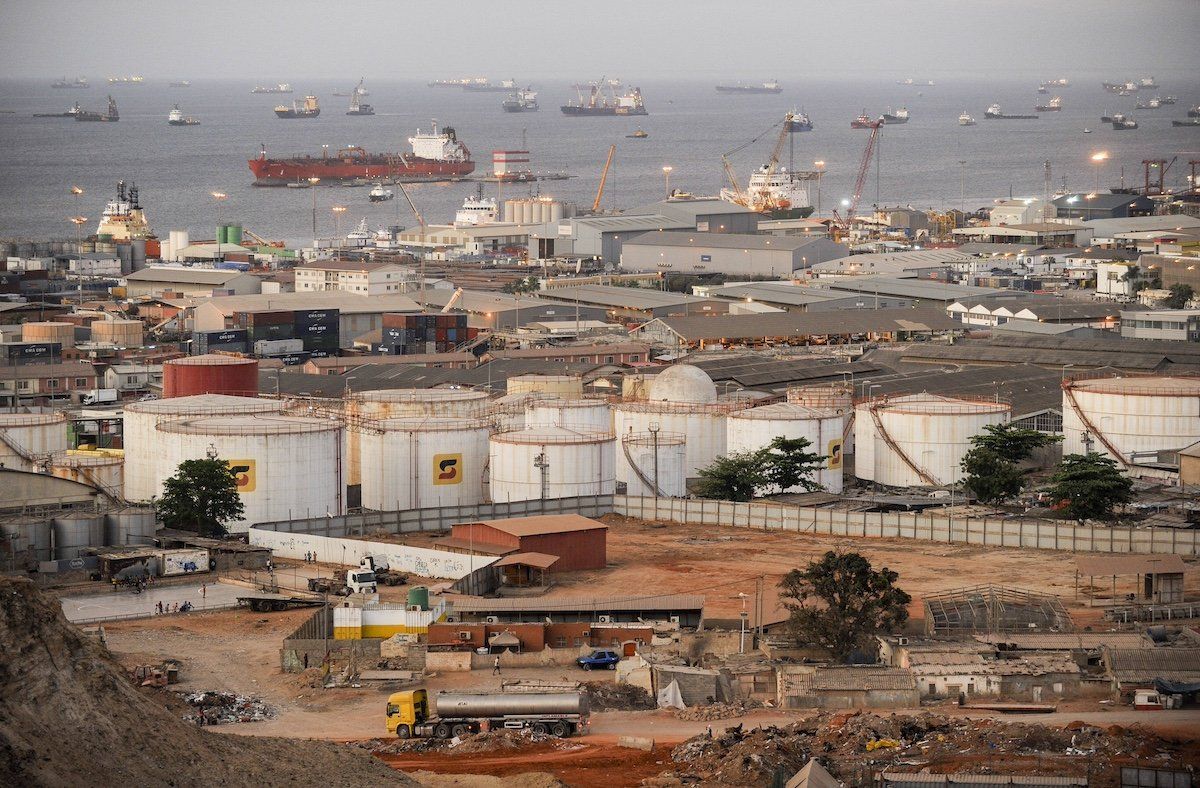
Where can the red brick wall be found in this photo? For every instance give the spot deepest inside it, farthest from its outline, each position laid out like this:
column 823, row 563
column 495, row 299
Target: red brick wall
column 532, row 636
column 575, row 549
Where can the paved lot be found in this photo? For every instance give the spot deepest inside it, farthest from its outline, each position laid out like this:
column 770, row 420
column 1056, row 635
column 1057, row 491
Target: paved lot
column 124, row 604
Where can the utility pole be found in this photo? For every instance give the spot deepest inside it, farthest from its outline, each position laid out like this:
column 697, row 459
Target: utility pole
column 962, row 190
column 543, row 464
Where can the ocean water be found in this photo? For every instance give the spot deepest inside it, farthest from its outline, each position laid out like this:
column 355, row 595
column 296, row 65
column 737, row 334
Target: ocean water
column 690, row 127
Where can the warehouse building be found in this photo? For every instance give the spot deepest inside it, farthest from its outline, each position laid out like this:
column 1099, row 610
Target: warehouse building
column 635, row 302
column 1108, row 232
column 156, row 280
column 1173, row 325
column 907, row 265
column 576, row 542
column 499, row 311
column 686, row 610
column 918, row 291
column 726, row 253
column 1171, row 270
column 799, row 298
column 1101, row 206
column 358, row 314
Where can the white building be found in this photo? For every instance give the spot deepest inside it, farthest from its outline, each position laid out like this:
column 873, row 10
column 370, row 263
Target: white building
column 133, row 377
column 1019, row 211
column 359, row 277
column 1116, row 279
column 156, row 280
column 1177, row 325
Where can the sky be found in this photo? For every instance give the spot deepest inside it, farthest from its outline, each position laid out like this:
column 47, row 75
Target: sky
column 289, row 40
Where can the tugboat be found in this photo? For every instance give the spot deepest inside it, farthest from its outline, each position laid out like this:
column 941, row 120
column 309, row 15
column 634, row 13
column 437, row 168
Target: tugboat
column 637, row 135
column 309, row 109
column 359, row 107
column 1194, row 112
column 994, row 113
column 890, row 118
column 965, row 119
column 1042, row 88
column 175, row 118
column 1122, row 123
column 521, row 101
column 72, row 112
column 380, row 194
column 797, row 121
column 597, row 104
column 79, row 83
column 863, row 121
column 109, row 116
column 1054, row 105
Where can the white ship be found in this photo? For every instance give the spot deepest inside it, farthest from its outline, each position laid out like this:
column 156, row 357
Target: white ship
column 380, row 194
column 360, row 236
column 781, row 193
column 966, row 120
column 475, row 211
column 123, row 217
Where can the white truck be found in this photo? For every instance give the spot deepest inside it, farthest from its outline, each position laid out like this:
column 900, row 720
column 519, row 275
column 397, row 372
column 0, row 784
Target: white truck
column 99, row 396
column 346, row 582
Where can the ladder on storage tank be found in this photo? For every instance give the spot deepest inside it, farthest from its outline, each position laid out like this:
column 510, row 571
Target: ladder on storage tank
column 658, row 493
column 1091, row 428
column 924, row 475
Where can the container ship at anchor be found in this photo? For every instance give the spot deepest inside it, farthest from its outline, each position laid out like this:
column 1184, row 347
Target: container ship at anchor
column 436, row 156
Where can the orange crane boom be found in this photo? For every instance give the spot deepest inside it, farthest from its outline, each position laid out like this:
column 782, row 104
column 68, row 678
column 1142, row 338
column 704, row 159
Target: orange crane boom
column 863, row 168
column 612, row 149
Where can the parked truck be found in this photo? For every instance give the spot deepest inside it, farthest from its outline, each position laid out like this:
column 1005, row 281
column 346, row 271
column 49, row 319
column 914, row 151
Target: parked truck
column 345, row 582
column 383, row 573
column 562, row 714
column 99, row 397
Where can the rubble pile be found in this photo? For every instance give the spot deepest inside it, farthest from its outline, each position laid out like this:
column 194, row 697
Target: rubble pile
column 853, row 744
column 612, row 696
column 493, row 741
column 223, row 708
column 716, row 711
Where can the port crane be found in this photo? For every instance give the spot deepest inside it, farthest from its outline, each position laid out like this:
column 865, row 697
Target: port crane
column 762, row 200
column 612, row 149
column 863, row 168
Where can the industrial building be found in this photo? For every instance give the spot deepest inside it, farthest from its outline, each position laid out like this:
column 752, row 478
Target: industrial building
column 362, row 277
column 1099, row 205
column 920, row 263
column 636, row 302
column 358, row 314
column 791, row 297
column 1172, row 270
column 1173, row 325
column 686, row 610
column 576, row 542
column 157, row 280
column 500, row 311
column 1051, row 234
column 737, row 254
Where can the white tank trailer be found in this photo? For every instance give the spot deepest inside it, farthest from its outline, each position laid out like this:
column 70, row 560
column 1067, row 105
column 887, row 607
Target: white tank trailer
column 287, row 466
column 1134, row 420
column 651, row 464
column 551, row 462
column 418, row 463
column 755, row 428
column 919, row 440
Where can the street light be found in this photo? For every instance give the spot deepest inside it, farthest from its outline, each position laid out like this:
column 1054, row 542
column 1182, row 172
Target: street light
column 1099, row 157
column 667, row 179
column 220, row 197
column 338, row 210
column 79, row 221
column 312, row 182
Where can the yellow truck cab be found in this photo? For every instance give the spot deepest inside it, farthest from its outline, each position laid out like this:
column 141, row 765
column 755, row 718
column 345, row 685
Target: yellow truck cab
column 405, row 710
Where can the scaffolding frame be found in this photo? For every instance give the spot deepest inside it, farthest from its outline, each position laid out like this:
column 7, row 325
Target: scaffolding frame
column 990, row 609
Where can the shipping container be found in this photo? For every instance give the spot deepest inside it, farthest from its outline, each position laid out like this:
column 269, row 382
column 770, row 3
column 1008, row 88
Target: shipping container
column 33, row 352
column 308, row 317
column 316, row 330
column 277, row 347
column 184, row 561
column 263, row 318
column 258, row 332
column 292, row 359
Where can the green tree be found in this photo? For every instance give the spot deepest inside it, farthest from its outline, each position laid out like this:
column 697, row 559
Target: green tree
column 840, row 602
column 788, row 464
column 1180, row 295
column 528, row 284
column 1089, row 487
column 732, row 478
column 990, row 467
column 202, row 496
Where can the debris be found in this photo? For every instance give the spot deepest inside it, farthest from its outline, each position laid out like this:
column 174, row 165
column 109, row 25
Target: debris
column 223, row 708
column 612, row 696
column 636, row 743
column 715, row 711
column 882, row 744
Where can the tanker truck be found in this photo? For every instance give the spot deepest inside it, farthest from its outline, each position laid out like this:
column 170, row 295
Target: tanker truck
column 459, row 714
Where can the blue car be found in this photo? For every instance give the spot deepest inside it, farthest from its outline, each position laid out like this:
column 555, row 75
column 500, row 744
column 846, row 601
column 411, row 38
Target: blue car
column 598, row 660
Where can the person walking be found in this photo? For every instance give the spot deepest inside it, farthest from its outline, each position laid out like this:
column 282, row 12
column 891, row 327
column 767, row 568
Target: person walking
column 203, row 591
column 496, row 666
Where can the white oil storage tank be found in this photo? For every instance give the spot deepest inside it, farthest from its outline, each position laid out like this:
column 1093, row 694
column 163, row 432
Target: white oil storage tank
column 703, row 425
column 287, row 466
column 587, row 414
column 28, row 437
column 1131, row 419
column 837, row 397
column 103, row 469
column 419, row 463
column 142, row 453
column 919, row 440
column 650, row 464
column 565, row 386
column 551, row 462
column 753, row 429
column 74, row 532
column 682, row 383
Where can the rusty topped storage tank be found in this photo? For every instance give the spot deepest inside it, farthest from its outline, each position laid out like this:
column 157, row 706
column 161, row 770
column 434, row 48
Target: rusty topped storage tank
column 49, row 331
column 210, row 374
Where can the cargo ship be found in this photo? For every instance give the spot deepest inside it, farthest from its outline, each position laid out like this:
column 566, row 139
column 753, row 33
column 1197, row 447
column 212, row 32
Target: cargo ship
column 72, row 112
column 1153, row 103
column 890, row 118
column 130, row 80
column 447, row 83
column 1122, row 123
column 1168, row 100
column 597, row 104
column 864, row 121
column 309, row 109
column 521, row 101
column 484, row 86
column 282, row 87
column 994, row 113
column 764, row 87
column 1053, row 105
column 109, row 116
column 797, row 121
column 437, row 155
column 79, row 83
column 176, row 118
column 183, row 83
column 1190, row 122
column 1147, row 83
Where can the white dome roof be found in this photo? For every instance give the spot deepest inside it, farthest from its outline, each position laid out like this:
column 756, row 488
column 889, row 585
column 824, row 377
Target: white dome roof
column 683, row 383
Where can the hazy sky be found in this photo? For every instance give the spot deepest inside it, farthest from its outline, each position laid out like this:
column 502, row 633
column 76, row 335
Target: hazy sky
column 637, row 39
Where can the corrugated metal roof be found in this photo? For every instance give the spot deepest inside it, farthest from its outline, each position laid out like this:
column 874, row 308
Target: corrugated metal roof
column 1150, row 663
column 1128, row 564
column 347, row 303
column 1082, row 641
column 539, row 560
column 927, row 289
column 542, row 524
column 624, row 297
column 778, row 243
column 859, row 679
column 792, row 324
column 932, row 780
column 200, row 276
column 630, row 604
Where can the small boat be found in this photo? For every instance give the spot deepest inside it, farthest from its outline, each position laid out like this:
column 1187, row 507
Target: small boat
column 797, row 121
column 299, row 185
column 1194, row 112
column 1147, row 83
column 380, row 194
column 966, row 120
column 183, row 83
column 282, row 87
column 1043, row 89
column 176, row 118
column 637, row 135
column 1190, row 122
column 72, row 112
column 521, row 101
column 1153, row 103
column 1087, row 131
column 890, row 118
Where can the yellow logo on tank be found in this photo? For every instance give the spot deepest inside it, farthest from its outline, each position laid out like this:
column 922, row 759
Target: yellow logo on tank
column 834, row 451
column 447, row 469
column 244, row 472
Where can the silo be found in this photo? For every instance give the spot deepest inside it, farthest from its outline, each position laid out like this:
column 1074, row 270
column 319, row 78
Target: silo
column 682, row 383
column 755, row 428
column 651, row 464
column 122, row 333
column 49, row 331
column 587, row 414
column 565, row 386
column 165, row 250
column 28, row 437
column 210, row 374
column 1131, row 419
column 836, row 396
column 704, row 426
column 141, row 439
column 234, row 234
column 557, row 212
column 133, row 525
column 919, row 440
column 405, row 403
column 103, row 470
column 551, row 462
column 74, row 532
column 418, row 463
column 30, row 541
column 510, row 211
column 287, row 466
column 138, row 253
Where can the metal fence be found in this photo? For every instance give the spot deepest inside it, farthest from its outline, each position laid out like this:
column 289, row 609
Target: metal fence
column 1017, row 532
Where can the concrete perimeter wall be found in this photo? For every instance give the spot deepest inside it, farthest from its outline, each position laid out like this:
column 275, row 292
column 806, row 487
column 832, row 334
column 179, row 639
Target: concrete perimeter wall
column 348, row 552
column 935, row 527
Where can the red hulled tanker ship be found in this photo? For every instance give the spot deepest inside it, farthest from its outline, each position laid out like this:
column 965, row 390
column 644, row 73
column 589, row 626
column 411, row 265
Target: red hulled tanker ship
column 436, row 156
